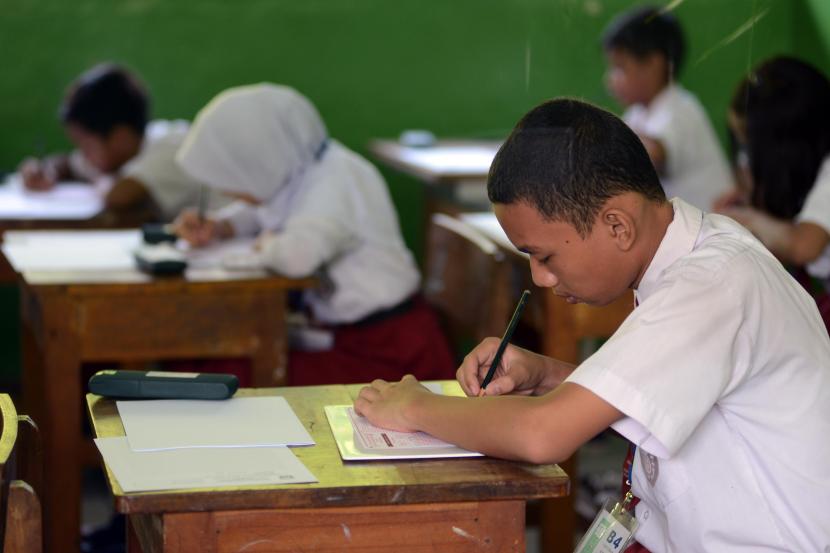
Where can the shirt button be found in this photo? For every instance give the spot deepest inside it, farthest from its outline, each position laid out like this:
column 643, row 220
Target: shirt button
column 647, row 512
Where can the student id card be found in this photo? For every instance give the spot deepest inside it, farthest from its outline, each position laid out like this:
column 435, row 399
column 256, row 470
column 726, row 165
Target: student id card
column 611, row 531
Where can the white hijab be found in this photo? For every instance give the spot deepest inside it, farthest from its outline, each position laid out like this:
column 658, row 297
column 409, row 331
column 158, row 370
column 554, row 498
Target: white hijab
column 257, row 140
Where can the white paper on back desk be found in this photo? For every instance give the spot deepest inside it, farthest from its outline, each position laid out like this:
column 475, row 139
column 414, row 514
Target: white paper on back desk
column 200, row 468
column 152, row 425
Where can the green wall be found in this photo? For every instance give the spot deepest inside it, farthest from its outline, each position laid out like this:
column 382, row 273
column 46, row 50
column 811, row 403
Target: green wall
column 373, row 67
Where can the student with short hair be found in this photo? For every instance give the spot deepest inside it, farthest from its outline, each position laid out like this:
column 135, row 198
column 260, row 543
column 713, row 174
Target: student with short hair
column 720, row 377
column 645, row 51
column 318, row 209
column 778, row 119
column 106, row 115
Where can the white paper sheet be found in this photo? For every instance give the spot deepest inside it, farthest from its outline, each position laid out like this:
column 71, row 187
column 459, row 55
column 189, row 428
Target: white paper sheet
column 200, row 468
column 78, row 250
column 67, row 201
column 237, row 422
column 351, row 450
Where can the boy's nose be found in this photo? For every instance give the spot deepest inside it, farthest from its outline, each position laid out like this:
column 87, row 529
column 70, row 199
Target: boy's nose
column 541, row 275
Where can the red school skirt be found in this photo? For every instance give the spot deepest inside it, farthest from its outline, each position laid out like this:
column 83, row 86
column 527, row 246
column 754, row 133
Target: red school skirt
column 404, row 340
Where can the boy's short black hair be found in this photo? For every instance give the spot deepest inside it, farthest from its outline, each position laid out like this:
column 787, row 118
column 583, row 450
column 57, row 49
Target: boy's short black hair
column 566, row 158
column 103, row 97
column 785, row 104
column 645, row 30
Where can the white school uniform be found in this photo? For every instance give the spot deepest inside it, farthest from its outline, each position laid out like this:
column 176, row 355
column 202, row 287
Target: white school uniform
column 816, row 210
column 328, row 208
column 723, row 374
column 695, row 168
column 155, row 167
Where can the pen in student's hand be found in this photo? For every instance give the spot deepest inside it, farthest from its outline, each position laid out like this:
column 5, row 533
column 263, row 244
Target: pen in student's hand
column 202, row 202
column 517, row 314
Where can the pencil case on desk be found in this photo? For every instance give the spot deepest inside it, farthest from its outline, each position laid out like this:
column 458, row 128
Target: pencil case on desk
column 163, row 385
column 160, row 259
column 156, row 233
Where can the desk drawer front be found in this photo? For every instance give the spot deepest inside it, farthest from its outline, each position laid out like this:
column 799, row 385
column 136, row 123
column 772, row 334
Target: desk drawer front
column 178, row 326
column 496, row 526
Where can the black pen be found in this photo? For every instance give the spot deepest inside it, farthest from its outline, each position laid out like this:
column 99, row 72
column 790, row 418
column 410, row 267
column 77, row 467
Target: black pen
column 202, row 203
column 504, row 340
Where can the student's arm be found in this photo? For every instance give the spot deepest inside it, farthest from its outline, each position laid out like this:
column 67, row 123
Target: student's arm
column 656, row 151
column 305, row 244
column 127, row 194
column 794, row 243
column 545, row 429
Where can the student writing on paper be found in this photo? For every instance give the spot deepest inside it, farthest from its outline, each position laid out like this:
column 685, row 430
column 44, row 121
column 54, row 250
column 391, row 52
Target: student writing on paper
column 106, row 115
column 778, row 119
column 719, row 378
column 645, row 50
column 318, row 209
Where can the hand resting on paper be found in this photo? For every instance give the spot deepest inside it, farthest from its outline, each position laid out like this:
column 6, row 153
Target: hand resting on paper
column 385, row 404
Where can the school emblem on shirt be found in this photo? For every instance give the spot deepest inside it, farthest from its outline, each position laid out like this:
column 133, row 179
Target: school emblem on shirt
column 650, row 466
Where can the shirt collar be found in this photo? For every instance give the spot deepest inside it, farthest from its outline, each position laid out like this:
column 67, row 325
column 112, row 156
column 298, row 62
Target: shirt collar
column 679, row 240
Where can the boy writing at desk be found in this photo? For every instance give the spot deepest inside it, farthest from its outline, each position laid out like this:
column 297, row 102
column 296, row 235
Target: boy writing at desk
column 720, row 377
column 106, row 116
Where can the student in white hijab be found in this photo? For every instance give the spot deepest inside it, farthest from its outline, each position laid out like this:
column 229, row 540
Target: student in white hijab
column 319, row 209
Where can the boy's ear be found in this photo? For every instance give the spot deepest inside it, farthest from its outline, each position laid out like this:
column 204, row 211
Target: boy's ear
column 619, row 225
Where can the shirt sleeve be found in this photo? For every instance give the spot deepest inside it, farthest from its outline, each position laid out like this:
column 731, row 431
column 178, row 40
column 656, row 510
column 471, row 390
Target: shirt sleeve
column 156, row 169
column 322, row 225
column 817, row 205
column 675, row 356
column 306, row 244
column 241, row 216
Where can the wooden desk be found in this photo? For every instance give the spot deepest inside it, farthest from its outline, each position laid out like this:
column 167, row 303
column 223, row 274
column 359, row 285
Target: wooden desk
column 562, row 327
column 73, row 317
column 450, row 505
column 66, row 206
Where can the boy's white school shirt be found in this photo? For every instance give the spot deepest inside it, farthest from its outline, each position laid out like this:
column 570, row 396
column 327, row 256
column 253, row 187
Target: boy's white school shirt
column 339, row 224
column 816, row 210
column 156, row 168
column 723, row 373
column 695, row 168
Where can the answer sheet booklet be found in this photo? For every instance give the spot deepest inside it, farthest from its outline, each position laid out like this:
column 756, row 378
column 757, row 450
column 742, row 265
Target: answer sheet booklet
column 359, row 440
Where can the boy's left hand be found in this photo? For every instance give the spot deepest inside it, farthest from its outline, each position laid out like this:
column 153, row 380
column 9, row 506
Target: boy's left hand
column 385, row 404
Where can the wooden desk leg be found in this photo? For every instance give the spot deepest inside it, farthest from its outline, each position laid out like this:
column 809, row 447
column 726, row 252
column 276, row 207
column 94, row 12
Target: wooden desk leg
column 558, row 517
column 23, row 520
column 270, row 358
column 52, row 395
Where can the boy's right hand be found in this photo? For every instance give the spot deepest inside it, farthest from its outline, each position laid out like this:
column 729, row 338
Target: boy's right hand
column 37, row 174
column 198, row 231
column 520, row 372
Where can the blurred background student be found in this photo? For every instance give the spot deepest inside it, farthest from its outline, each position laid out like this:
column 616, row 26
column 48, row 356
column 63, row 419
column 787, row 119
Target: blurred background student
column 645, row 51
column 106, row 114
column 779, row 122
column 318, row 209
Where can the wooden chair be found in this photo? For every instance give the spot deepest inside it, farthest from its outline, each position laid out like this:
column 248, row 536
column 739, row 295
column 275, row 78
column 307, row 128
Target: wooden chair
column 466, row 281
column 20, row 518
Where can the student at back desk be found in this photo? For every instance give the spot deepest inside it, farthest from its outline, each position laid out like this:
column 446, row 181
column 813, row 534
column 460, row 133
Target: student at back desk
column 105, row 113
column 778, row 119
column 645, row 49
column 319, row 209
